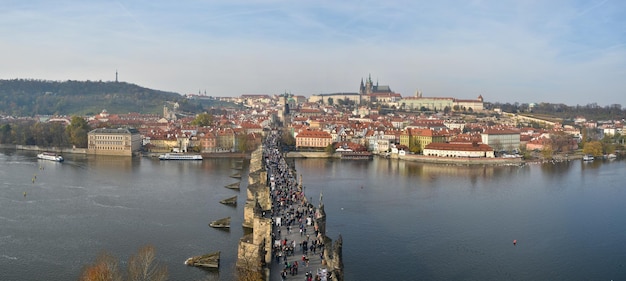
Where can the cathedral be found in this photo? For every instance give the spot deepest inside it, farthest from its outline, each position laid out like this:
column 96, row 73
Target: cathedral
column 369, row 88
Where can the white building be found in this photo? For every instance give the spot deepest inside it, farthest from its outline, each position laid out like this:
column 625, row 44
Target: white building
column 471, row 150
column 501, row 139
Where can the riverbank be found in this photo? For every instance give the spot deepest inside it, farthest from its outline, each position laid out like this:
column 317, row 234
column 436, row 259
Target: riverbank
column 418, row 158
column 460, row 160
column 536, row 158
column 39, row 148
column 207, row 155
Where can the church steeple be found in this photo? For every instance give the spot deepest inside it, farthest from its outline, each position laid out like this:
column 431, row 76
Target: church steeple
column 368, row 85
column 362, row 87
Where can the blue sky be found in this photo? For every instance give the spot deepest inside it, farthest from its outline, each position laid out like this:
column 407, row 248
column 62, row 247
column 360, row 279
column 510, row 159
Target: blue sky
column 571, row 52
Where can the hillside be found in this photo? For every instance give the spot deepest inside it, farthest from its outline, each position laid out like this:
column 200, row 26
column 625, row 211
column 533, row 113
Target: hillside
column 22, row 97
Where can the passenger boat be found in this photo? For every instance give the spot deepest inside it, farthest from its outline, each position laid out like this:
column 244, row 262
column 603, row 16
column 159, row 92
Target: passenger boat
column 179, row 156
column 588, row 157
column 50, row 156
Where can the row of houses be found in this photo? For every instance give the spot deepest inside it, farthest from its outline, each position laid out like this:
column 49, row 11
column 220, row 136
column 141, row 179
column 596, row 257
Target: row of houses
column 445, row 143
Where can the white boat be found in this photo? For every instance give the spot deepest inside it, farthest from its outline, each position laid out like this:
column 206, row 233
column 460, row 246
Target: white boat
column 179, row 156
column 50, row 156
column 588, row 157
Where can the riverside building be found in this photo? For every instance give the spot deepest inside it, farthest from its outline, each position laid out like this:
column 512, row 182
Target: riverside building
column 118, row 142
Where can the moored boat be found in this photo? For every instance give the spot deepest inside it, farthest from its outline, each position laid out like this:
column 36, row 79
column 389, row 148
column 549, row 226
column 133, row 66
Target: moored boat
column 50, row 156
column 180, row 156
column 588, row 157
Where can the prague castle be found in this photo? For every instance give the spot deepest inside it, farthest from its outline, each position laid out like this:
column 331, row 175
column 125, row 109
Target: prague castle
column 382, row 94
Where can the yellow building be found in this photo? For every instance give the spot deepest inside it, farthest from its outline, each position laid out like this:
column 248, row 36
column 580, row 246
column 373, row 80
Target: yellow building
column 313, row 139
column 120, row 142
column 424, row 137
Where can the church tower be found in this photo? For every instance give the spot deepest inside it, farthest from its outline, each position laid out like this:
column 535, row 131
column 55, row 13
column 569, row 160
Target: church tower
column 369, row 85
column 362, row 88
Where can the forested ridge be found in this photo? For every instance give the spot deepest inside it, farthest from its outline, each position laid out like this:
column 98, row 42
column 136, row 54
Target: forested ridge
column 29, row 97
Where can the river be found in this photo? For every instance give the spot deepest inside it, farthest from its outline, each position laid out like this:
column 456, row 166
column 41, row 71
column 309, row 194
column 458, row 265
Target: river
column 399, row 220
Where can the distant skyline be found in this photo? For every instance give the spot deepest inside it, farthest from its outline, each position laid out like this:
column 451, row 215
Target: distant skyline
column 571, row 52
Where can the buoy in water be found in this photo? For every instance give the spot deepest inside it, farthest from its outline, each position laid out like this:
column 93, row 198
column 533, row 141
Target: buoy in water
column 514, row 242
column 24, row 193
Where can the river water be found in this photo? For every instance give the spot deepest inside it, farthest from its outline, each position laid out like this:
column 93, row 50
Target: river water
column 399, row 220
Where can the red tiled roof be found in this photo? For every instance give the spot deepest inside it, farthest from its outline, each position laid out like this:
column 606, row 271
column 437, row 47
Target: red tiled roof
column 313, row 134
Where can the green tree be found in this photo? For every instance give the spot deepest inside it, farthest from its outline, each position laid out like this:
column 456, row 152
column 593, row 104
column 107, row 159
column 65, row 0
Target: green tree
column 330, row 149
column 414, row 145
column 203, row 120
column 77, row 131
column 5, row 133
column 608, row 144
column 242, row 142
column 330, row 101
column 287, row 138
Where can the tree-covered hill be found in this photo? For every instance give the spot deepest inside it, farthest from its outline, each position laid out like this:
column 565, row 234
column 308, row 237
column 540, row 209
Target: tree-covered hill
column 24, row 97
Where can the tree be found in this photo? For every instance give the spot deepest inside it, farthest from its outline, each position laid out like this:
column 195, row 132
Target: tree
column 497, row 145
column 5, row 133
column 561, row 141
column 414, row 145
column 141, row 267
column 242, row 142
column 77, row 131
column 144, row 267
column 203, row 120
column 593, row 148
column 330, row 149
column 608, row 144
column 330, row 101
column 104, row 269
column 287, row 138
column 547, row 152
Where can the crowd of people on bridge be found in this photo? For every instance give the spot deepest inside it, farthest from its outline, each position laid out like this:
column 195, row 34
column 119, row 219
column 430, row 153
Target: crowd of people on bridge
column 293, row 214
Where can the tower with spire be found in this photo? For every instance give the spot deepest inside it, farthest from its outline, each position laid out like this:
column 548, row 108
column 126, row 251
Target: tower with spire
column 369, row 87
column 116, row 76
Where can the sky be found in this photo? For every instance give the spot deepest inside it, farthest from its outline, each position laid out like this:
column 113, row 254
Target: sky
column 571, row 52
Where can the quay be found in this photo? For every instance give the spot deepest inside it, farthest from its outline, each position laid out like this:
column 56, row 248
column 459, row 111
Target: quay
column 286, row 234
